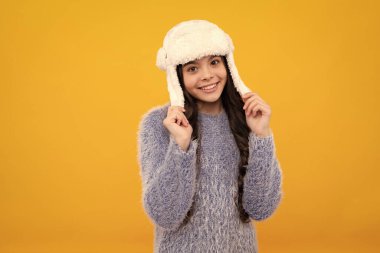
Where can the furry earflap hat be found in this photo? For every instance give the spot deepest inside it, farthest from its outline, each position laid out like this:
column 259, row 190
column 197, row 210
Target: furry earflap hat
column 191, row 40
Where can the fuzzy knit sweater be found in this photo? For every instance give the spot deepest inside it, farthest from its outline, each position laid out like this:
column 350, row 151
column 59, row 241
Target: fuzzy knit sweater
column 171, row 185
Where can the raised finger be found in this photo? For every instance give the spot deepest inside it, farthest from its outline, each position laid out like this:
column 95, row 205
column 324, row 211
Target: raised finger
column 181, row 118
column 259, row 107
column 253, row 107
column 248, row 102
column 174, row 117
column 256, row 108
column 247, row 95
column 249, row 107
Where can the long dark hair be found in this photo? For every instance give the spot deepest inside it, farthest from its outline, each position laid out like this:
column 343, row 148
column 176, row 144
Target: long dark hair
column 233, row 105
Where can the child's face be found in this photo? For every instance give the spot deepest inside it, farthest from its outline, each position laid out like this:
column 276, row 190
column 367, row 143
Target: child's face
column 202, row 73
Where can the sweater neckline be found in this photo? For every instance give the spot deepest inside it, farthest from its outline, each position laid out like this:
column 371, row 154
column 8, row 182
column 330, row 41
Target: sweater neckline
column 204, row 115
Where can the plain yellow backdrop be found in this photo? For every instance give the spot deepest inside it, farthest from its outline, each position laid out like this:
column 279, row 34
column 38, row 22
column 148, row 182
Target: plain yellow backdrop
column 76, row 77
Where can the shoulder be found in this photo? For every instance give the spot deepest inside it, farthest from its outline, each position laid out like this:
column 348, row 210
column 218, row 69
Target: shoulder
column 152, row 119
column 154, row 114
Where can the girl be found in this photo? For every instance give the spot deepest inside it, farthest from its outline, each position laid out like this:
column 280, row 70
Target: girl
column 208, row 160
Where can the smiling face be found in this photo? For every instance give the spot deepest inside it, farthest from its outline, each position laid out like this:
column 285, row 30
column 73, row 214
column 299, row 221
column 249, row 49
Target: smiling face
column 205, row 78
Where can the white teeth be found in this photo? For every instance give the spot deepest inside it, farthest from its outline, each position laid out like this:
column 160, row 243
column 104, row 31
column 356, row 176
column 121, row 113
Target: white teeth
column 209, row 87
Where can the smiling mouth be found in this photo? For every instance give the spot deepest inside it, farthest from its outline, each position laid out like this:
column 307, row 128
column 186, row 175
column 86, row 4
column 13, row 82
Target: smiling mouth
column 209, row 87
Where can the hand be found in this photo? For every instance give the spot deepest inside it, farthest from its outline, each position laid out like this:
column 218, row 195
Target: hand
column 178, row 126
column 257, row 114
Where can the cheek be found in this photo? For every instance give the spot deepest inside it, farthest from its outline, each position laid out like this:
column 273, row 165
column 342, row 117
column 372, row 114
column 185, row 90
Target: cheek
column 189, row 81
column 222, row 73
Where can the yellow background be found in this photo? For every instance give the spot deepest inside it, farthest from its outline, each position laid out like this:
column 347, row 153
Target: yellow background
column 76, row 76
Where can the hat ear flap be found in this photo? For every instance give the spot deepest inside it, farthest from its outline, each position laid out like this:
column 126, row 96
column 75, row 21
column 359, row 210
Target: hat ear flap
column 161, row 59
column 174, row 87
column 230, row 43
column 239, row 84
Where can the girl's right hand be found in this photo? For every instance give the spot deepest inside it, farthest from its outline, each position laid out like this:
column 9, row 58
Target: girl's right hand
column 178, row 126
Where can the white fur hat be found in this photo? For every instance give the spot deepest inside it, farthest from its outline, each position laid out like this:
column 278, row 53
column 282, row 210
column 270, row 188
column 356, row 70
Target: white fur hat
column 191, row 40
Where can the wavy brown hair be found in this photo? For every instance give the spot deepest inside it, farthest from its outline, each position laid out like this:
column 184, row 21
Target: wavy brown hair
column 233, row 105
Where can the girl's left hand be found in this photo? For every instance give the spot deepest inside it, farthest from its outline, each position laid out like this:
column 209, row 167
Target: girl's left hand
column 257, row 114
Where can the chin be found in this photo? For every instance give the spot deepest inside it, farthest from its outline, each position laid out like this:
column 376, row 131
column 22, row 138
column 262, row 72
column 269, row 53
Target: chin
column 209, row 100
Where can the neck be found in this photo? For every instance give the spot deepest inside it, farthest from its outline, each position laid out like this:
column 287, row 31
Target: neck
column 213, row 108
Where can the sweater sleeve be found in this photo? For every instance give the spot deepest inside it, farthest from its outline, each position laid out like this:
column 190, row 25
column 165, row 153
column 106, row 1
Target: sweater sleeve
column 168, row 173
column 263, row 179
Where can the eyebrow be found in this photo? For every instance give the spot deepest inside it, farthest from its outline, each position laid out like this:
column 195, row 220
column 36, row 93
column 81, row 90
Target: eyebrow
column 193, row 62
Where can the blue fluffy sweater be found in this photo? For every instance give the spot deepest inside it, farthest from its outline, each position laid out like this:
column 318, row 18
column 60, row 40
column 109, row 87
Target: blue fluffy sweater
column 170, row 185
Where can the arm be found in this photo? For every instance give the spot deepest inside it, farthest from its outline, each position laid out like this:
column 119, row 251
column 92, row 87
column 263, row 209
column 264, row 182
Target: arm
column 167, row 171
column 263, row 179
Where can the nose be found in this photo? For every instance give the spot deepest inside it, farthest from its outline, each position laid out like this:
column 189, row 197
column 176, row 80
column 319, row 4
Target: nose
column 207, row 73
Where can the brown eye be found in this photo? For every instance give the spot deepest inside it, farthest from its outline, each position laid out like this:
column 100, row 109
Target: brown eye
column 217, row 61
column 191, row 69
